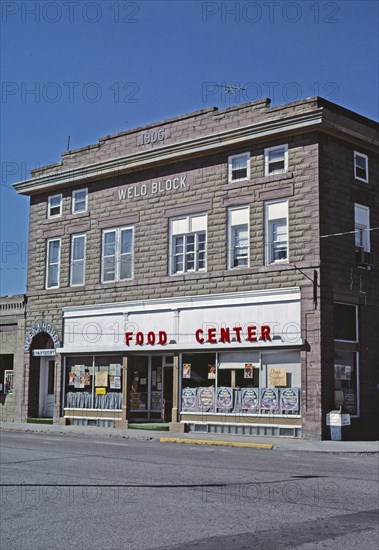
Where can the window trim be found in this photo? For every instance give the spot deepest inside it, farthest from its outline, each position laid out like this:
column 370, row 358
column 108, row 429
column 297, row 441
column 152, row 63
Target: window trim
column 267, row 163
column 73, row 200
column 230, row 247
column 171, row 238
column 72, row 261
column 230, row 162
column 118, row 231
column 49, row 198
column 365, row 157
column 367, row 244
column 48, row 241
column 267, row 230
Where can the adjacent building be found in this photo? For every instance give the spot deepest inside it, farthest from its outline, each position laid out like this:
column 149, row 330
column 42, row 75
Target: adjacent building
column 12, row 331
column 218, row 270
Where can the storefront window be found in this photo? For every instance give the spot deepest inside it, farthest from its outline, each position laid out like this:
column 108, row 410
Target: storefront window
column 242, row 382
column 94, row 382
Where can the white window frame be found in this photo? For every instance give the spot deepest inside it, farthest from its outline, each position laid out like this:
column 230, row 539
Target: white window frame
column 185, row 235
column 365, row 157
column 73, row 200
column 365, row 228
column 49, row 206
column 73, row 262
column 267, row 152
column 8, row 374
column 230, row 164
column 230, row 243
column 58, row 263
column 118, row 231
column 268, row 234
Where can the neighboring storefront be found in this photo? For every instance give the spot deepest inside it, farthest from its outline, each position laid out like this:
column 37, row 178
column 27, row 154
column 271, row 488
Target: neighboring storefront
column 229, row 359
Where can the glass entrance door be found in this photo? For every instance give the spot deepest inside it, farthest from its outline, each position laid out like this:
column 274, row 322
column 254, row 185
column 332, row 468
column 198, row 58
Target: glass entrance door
column 146, row 387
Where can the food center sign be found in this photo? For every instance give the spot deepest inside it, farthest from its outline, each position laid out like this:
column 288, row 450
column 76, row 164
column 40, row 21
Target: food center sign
column 228, row 321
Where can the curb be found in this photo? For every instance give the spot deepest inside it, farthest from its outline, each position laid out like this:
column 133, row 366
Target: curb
column 218, row 443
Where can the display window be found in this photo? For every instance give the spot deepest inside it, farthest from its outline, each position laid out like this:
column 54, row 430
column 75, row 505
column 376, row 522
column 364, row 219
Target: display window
column 146, row 386
column 251, row 382
column 94, row 382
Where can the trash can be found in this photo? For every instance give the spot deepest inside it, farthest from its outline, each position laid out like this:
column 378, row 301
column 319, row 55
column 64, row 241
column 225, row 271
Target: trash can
column 336, row 420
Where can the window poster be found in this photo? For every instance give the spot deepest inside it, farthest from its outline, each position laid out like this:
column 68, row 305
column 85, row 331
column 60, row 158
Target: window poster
column 206, row 397
column 114, row 369
column 342, row 372
column 187, row 370
column 224, row 398
column 248, row 373
column 156, row 400
column 212, row 372
column 101, row 379
column 153, row 377
column 135, row 401
column 100, row 391
column 115, row 382
column 87, row 379
column 277, row 377
column 159, row 375
column 289, row 399
column 269, row 399
column 71, row 379
column 250, row 399
column 189, row 398
column 79, row 382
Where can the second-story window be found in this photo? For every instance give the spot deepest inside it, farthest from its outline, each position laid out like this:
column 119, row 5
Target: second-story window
column 188, row 243
column 54, row 206
column 117, row 254
column 361, row 166
column 239, row 167
column 238, row 237
column 53, row 258
column 276, row 160
column 362, row 226
column 79, row 200
column 78, row 260
column 276, row 231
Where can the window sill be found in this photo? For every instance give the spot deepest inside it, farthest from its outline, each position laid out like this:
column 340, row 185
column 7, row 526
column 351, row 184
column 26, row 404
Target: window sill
column 79, row 216
column 256, row 181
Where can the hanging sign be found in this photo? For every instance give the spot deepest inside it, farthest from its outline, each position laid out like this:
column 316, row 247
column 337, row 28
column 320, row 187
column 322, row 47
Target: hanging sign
column 43, row 352
column 277, row 377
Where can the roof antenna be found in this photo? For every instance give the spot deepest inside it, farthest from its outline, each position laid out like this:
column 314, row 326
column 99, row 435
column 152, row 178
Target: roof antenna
column 68, row 143
column 230, row 90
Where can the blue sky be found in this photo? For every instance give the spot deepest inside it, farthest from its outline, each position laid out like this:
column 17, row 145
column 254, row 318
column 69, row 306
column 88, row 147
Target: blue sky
column 88, row 69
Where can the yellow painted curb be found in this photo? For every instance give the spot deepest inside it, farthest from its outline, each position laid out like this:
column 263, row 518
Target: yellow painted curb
column 212, row 442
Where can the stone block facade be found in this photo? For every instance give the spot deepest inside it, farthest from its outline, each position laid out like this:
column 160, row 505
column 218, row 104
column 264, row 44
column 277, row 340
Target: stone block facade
column 142, row 178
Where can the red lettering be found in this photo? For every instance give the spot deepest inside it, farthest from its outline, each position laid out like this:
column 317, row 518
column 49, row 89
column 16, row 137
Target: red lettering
column 224, row 335
column 128, row 337
column 162, row 337
column 151, row 338
column 252, row 334
column 139, row 338
column 199, row 336
column 265, row 333
column 238, row 330
column 212, row 336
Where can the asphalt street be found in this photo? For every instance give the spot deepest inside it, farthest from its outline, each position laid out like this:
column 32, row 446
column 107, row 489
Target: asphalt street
column 76, row 493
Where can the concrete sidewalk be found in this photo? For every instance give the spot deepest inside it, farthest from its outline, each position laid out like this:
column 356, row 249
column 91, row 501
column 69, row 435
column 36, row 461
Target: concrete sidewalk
column 282, row 444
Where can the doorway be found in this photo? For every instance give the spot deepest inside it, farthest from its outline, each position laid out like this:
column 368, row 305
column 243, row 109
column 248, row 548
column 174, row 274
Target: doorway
column 150, row 387
column 46, row 388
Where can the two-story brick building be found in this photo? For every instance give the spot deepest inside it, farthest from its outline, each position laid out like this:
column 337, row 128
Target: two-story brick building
column 217, row 269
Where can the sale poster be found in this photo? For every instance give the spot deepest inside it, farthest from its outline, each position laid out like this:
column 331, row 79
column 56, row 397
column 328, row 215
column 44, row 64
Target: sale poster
column 187, row 370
